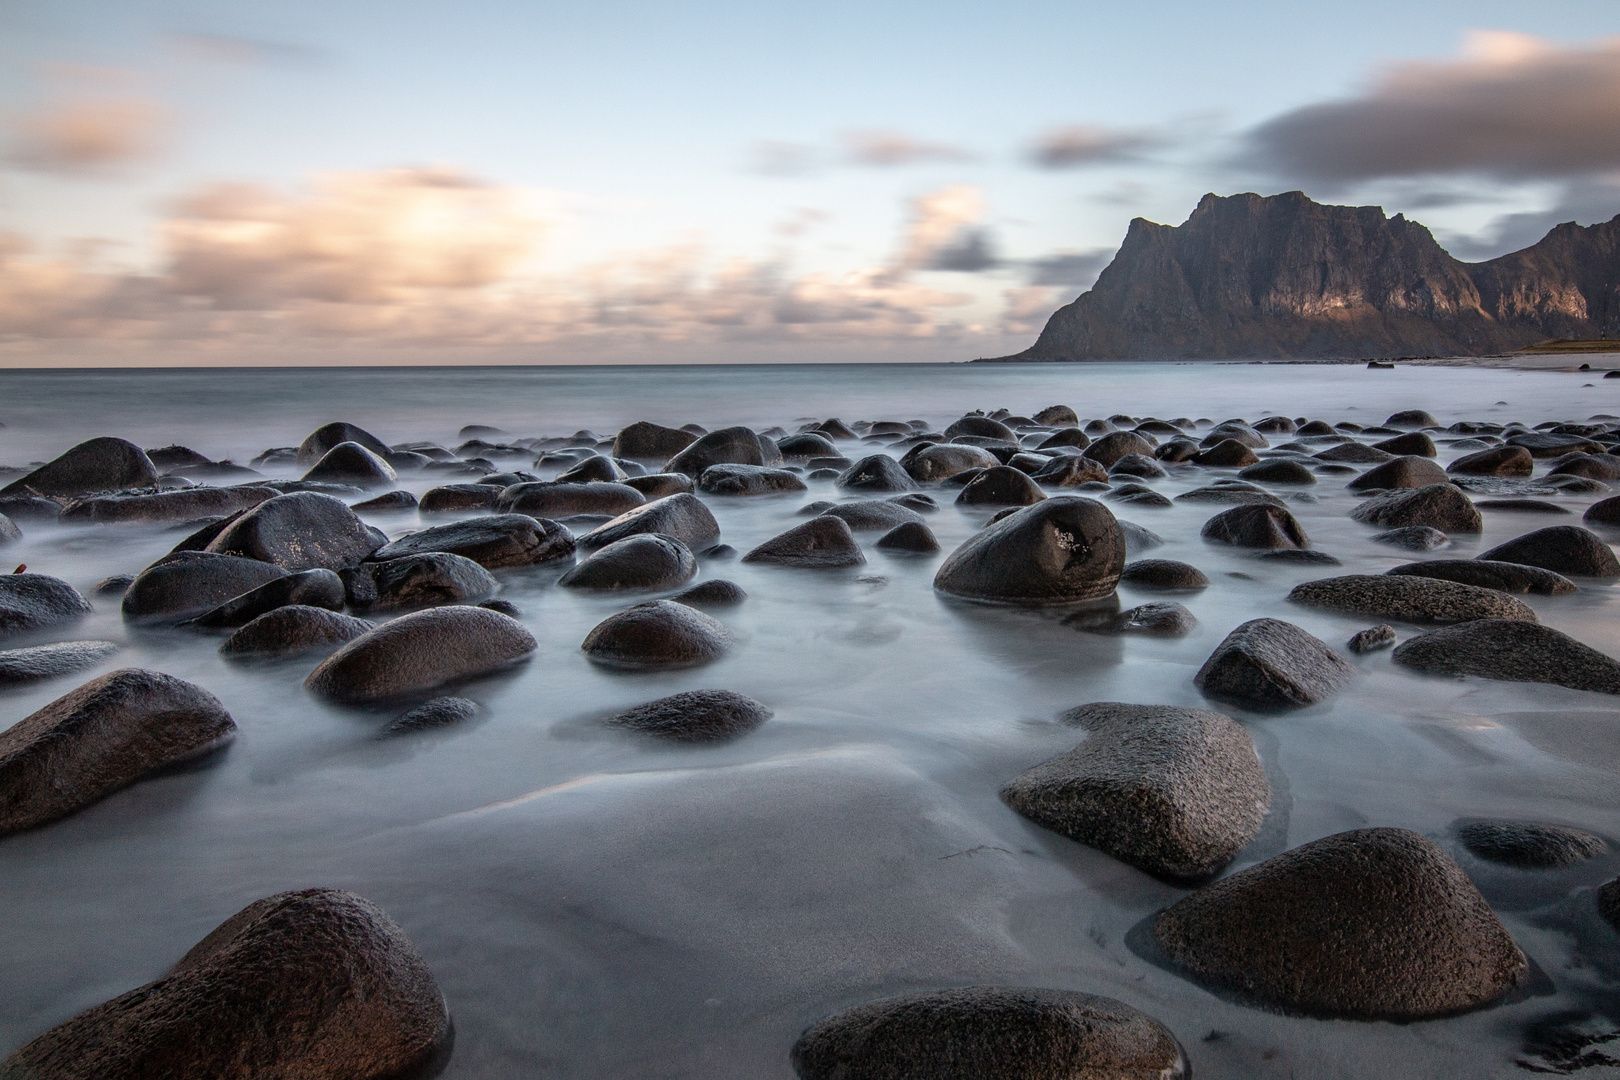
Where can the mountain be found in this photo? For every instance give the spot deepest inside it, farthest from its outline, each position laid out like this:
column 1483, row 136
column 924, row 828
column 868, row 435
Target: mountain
column 1281, row 276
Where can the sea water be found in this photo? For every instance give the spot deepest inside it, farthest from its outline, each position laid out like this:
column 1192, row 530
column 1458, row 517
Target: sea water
column 597, row 904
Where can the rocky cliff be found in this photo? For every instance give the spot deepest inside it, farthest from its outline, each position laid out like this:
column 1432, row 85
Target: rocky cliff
column 1281, row 276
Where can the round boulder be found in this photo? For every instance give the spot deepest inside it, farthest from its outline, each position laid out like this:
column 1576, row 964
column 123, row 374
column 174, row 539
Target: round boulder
column 659, row 634
column 1487, row 574
column 1409, row 598
column 1402, row 472
column 1563, row 549
column 1163, row 574
column 420, row 652
column 1438, row 506
column 641, row 562
column 413, row 581
column 646, row 440
column 728, row 446
column 30, row 602
column 981, row 427
column 330, row 436
column 104, row 464
column 877, row 472
column 1071, row 471
column 821, row 542
column 681, row 515
column 1496, row 461
column 1278, row 471
column 1413, row 443
column 1228, row 453
column 553, row 499
column 661, row 485
column 695, row 716
column 313, row 588
column 351, row 463
column 1512, row 650
column 1002, row 485
column 748, row 480
column 910, row 538
column 1059, row 551
column 293, row 629
column 873, row 515
column 1270, row 664
column 300, row 531
column 189, row 583
column 1256, row 525
column 491, row 542
column 1528, row 845
column 1115, row 445
column 716, row 592
column 18, row 666
column 459, row 499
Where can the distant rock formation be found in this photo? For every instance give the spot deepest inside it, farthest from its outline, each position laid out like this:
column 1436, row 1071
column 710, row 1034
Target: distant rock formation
column 1281, row 276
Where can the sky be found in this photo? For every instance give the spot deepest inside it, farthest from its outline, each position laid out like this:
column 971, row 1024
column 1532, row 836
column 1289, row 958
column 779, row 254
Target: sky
column 624, row 181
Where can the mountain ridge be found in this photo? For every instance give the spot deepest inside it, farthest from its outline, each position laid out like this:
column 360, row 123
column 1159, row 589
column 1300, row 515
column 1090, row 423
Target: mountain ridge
column 1284, row 277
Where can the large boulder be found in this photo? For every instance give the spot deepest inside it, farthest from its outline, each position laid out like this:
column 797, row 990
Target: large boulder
column 32, row 602
column 293, row 629
column 188, row 504
column 552, row 499
column 187, row 584
column 1437, row 506
column 459, row 499
column 1528, row 845
column 300, row 531
column 747, row 480
column 1487, row 574
column 990, row 1033
column 1163, row 574
column 101, row 737
column 661, row 485
column 981, row 427
column 1115, row 445
column 1001, row 485
column 1353, row 453
column 1403, row 472
column 1413, row 443
column 641, row 562
column 1495, row 461
column 876, row 472
column 648, row 441
column 1256, row 525
column 491, row 542
column 1071, row 471
column 682, row 516
column 1173, row 792
column 1270, row 664
column 420, row 652
column 330, row 436
column 1591, row 466
column 1374, row 924
column 1409, row 598
column 1563, row 549
column 312, row 588
column 18, row 666
column 351, row 463
column 728, row 446
column 1512, row 650
column 695, row 716
column 659, row 634
column 1278, row 471
column 1227, row 454
column 104, row 464
column 806, row 445
column 317, row 984
column 873, row 515
column 414, row 581
column 821, row 542
column 1059, row 551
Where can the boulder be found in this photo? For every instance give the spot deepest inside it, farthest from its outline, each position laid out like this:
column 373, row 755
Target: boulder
column 1163, row 574
column 1544, row 444
column 1237, row 431
column 1373, row 924
column 1138, row 539
column 876, row 472
column 1135, row 465
column 414, row 581
column 1402, row 472
column 1372, row 638
column 681, row 515
column 593, row 469
column 661, row 485
column 101, row 737
column 491, row 542
column 1057, row 416
column 32, row 602
column 834, row 428
column 1608, row 896
column 1174, row 792
column 351, row 463
column 1411, row 418
column 317, row 984
column 647, row 441
column 1137, row 495
column 695, row 716
column 104, row 464
column 1278, row 471
column 1234, row 493
column 1603, row 512
column 1413, row 444
column 293, row 629
column 185, row 505
column 806, row 445
column 175, row 457
column 459, row 499
column 819, row 542
column 301, row 531
column 981, row 427
column 1353, row 453
column 990, row 1033
column 1069, row 436
column 1071, row 471
column 1115, row 445
column 717, row 592
column 553, row 499
column 1000, row 486
column 1256, row 525
column 1228, row 453
column 312, row 588
column 438, row 712
column 1505, row 576
column 1522, row 506
column 1164, row 619
column 1591, row 466
column 420, row 652
column 1063, row 550
column 18, row 666
column 1438, row 506
column 1563, row 549
column 330, row 436
column 873, row 515
column 640, row 562
column 1270, row 664
column 387, row 503
column 659, row 634
column 1413, row 538
column 30, row 508
column 1512, row 650
column 728, row 446
column 748, row 480
column 187, row 584
column 1409, row 598
column 911, row 538
column 1528, row 845
column 1496, row 461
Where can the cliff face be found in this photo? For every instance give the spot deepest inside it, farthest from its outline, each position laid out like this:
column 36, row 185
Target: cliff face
column 1283, row 277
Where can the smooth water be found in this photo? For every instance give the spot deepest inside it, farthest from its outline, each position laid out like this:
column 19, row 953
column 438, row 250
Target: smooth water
column 594, row 904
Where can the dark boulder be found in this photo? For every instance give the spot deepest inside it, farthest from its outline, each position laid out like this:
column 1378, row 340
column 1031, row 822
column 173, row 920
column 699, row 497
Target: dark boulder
column 1438, row 506
column 1163, row 619
column 1412, row 538
column 1115, row 445
column 1228, row 453
column 1163, row 574
column 189, row 504
column 1591, row 466
column 1057, row 416
column 114, row 585
column 1059, row 551
column 312, row 588
column 1138, row 539
column 640, row 562
column 30, row 508
column 989, row 1033
column 649, row 441
column 728, row 446
column 593, row 469
column 420, row 652
column 873, row 515
column 742, row 480
column 1374, row 637
column 1069, row 436
column 293, row 629
column 806, row 445
column 1271, row 664
column 414, row 581
column 1414, row 444
column 1373, row 924
column 301, row 531
column 1235, row 431
column 1511, row 650
column 1604, row 512
column 101, row 737
column 1608, row 896
column 682, row 516
column 1137, row 495
column 1000, row 486
column 1496, row 461
column 1528, row 845
column 1402, row 472
column 1354, row 453
column 1505, row 576
column 459, row 499
column 351, row 463
column 552, row 499
column 189, row 583
column 695, row 716
column 1563, row 549
column 1412, row 418
column 330, row 436
column 834, row 428
column 174, row 457
column 18, row 666
column 439, row 712
column 1230, row 493
column 1071, row 471
column 388, row 503
column 877, row 472
column 1409, row 598
column 717, row 592
column 1544, row 444
column 1278, row 471
column 1137, row 465
column 981, row 427
column 1256, row 525
column 661, row 485
column 659, row 634
column 104, row 464
column 491, row 542
column 819, row 542
column 32, row 602
column 1174, row 792
column 911, row 538
column 1522, row 506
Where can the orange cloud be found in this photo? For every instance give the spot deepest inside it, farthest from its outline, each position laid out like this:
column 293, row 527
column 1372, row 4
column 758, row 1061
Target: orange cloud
column 88, row 136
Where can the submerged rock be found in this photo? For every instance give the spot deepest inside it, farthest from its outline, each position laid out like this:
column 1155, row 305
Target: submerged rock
column 659, row 634
column 1173, row 792
column 1402, row 472
column 1438, row 506
column 1410, row 598
column 189, row 583
column 1528, row 845
column 492, row 542
column 681, row 515
column 459, row 499
column 1373, row 638
column 30, row 602
column 1489, row 574
column 1278, row 471
column 437, row 713
column 18, row 666
column 1062, row 550
column 1373, row 924
column 695, row 716
column 413, row 581
column 820, row 542
column 295, row 628
column 313, row 588
column 1563, row 549
column 716, row 592
column 101, row 737
column 912, row 537
column 873, row 515
column 186, row 505
column 552, row 499
column 1271, row 664
column 1166, row 574
column 878, row 472
column 1514, row 651
column 1412, row 538
column 1256, row 525
column 420, row 652
column 301, row 531
column 748, row 480
column 104, row 464
column 388, row 503
column 985, row 1032
column 1165, row 618
column 643, row 561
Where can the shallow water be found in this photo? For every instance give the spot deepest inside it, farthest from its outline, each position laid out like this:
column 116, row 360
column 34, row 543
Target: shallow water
column 594, row 904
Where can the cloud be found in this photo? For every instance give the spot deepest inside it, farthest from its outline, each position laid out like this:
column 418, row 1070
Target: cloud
column 774, row 157
column 235, row 49
column 87, row 136
column 938, row 221
column 1072, row 147
column 1586, row 200
column 970, row 253
column 890, row 148
column 1070, row 269
column 1510, row 107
